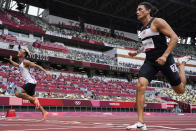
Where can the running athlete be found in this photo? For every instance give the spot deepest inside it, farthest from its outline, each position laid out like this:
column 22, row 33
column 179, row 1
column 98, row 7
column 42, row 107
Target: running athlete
column 28, row 90
column 158, row 57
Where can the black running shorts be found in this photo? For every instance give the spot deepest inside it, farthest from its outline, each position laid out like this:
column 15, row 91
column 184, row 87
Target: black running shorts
column 169, row 70
column 29, row 88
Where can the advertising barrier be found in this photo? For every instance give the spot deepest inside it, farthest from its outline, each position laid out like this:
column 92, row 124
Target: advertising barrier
column 82, row 103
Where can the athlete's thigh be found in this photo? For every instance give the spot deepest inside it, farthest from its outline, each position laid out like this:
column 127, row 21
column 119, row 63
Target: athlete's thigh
column 19, row 91
column 29, row 89
column 148, row 71
column 170, row 71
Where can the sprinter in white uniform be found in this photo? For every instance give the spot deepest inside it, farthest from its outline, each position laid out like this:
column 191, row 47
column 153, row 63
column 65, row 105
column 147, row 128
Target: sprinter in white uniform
column 27, row 91
column 158, row 57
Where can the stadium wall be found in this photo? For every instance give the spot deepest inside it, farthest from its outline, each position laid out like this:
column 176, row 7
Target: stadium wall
column 66, row 105
column 63, row 105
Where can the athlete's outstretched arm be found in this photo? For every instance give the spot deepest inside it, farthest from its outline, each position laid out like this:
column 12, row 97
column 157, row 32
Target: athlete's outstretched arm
column 33, row 65
column 163, row 27
column 12, row 62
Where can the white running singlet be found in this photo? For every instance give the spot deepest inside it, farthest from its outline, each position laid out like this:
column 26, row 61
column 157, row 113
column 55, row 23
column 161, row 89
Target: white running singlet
column 26, row 75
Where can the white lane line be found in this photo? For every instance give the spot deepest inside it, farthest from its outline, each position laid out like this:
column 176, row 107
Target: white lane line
column 190, row 129
column 177, row 124
column 97, row 123
column 165, row 127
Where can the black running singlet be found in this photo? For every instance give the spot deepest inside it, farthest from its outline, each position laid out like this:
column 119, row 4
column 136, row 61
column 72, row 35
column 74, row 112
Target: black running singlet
column 154, row 43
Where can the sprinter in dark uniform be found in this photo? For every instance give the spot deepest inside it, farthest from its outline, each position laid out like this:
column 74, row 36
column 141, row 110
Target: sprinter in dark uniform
column 158, row 57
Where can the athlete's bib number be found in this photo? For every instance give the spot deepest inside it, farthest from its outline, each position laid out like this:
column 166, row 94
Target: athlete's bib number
column 148, row 44
column 174, row 68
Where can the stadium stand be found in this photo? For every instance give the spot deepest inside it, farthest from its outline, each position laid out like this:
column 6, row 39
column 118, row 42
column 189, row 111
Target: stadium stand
column 60, row 50
column 31, row 23
column 88, row 34
column 181, row 49
column 75, row 86
column 187, row 97
column 19, row 20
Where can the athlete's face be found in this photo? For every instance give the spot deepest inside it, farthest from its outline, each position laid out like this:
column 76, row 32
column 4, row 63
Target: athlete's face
column 21, row 53
column 142, row 12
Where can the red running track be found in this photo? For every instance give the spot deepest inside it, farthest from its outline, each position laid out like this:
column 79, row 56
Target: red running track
column 97, row 123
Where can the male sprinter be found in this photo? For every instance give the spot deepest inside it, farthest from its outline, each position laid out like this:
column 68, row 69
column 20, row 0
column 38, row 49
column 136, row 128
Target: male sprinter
column 28, row 90
column 158, row 57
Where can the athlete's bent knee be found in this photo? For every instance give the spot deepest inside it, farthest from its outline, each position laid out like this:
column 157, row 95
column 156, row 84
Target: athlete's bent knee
column 179, row 89
column 17, row 94
column 141, row 85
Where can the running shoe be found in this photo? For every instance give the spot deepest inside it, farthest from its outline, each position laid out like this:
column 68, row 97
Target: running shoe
column 44, row 115
column 36, row 102
column 137, row 125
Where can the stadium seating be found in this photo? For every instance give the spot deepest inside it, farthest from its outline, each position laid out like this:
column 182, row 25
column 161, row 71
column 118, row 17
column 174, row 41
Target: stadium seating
column 188, row 97
column 184, row 49
column 75, row 86
column 87, row 35
column 76, row 54
column 60, row 50
column 72, row 84
column 36, row 24
column 73, row 31
column 49, row 46
column 5, row 18
column 19, row 20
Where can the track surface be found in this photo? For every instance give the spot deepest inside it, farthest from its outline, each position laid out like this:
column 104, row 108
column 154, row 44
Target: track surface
column 97, row 123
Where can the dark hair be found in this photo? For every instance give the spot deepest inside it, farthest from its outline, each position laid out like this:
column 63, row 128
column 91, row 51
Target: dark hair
column 26, row 54
column 148, row 6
